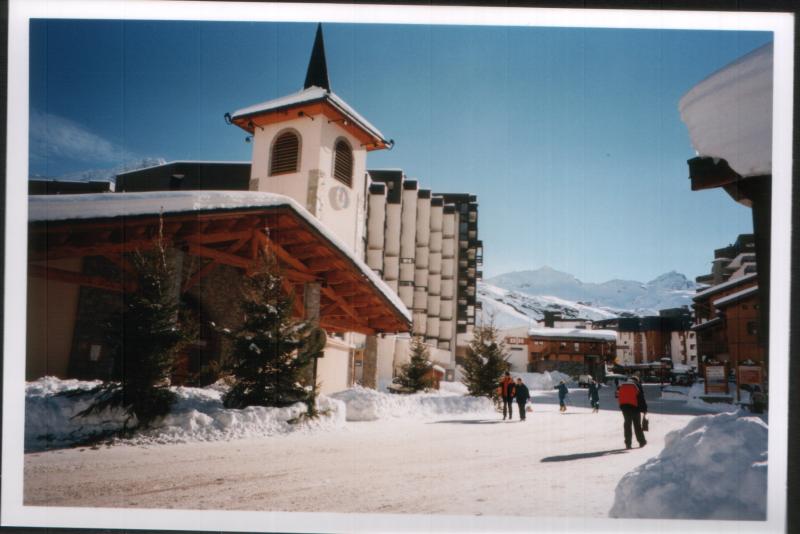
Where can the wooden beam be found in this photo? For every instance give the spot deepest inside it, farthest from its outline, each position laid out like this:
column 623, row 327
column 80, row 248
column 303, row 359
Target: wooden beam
column 219, row 237
column 281, row 252
column 297, row 276
column 345, row 326
column 54, row 253
column 339, row 276
column 331, row 294
column 206, row 269
column 318, row 265
column 70, row 277
column 221, row 257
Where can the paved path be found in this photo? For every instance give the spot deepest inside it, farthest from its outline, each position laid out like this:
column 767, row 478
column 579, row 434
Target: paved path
column 553, row 464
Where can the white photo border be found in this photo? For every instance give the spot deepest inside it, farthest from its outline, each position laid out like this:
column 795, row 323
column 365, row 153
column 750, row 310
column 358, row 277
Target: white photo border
column 14, row 513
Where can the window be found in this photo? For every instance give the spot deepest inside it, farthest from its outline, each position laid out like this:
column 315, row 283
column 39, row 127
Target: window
column 285, row 154
column 752, row 329
column 343, row 162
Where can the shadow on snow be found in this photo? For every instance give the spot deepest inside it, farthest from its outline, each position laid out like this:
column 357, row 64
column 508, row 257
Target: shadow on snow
column 581, row 455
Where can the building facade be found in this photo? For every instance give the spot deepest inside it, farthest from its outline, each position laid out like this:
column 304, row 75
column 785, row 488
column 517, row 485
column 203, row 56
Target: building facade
column 571, row 351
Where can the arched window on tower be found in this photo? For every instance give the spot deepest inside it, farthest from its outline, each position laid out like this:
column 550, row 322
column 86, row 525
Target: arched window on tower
column 343, row 162
column 285, row 155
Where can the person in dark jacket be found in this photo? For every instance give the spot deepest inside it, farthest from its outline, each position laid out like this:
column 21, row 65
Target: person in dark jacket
column 594, row 395
column 633, row 406
column 507, row 394
column 562, row 394
column 522, row 395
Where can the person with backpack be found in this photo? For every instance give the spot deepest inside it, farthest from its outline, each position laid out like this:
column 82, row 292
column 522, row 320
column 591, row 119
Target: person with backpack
column 594, row 395
column 562, row 395
column 633, row 405
column 522, row 395
column 507, row 394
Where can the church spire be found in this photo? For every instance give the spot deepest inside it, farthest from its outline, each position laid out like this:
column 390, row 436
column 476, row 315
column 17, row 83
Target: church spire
column 317, row 73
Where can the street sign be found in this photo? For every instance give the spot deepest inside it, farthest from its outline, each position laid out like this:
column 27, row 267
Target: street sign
column 749, row 374
column 716, row 379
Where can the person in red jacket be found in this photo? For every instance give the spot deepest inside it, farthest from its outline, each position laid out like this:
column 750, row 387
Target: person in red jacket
column 633, row 405
column 507, row 394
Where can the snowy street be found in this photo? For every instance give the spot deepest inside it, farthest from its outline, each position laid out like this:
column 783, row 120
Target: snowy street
column 473, row 464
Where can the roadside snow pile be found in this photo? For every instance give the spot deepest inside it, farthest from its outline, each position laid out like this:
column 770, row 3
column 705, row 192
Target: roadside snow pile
column 50, row 420
column 369, row 405
column 696, row 397
column 198, row 415
column 456, row 388
column 714, row 468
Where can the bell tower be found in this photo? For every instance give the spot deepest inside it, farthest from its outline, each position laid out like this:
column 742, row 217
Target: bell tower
column 312, row 147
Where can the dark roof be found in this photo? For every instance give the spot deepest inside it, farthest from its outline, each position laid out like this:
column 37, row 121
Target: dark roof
column 187, row 176
column 56, row 187
column 424, row 193
column 317, row 73
column 393, row 178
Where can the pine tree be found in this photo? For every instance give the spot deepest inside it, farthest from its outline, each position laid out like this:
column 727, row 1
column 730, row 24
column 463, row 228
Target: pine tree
column 485, row 362
column 415, row 375
column 147, row 341
column 271, row 350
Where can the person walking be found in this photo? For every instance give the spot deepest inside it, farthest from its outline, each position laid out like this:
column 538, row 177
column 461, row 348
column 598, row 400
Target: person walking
column 594, row 395
column 562, row 394
column 633, row 405
column 507, row 394
column 521, row 394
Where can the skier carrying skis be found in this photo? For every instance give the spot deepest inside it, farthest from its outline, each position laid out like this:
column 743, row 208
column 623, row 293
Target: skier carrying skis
column 562, row 394
column 594, row 395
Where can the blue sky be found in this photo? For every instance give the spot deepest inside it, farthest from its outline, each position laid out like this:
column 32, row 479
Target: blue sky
column 571, row 138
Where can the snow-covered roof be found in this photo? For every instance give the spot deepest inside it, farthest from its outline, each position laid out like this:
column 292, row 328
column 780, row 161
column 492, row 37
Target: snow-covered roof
column 183, row 162
column 605, row 335
column 733, row 282
column 107, row 206
column 744, row 293
column 708, row 324
column 729, row 114
column 306, row 96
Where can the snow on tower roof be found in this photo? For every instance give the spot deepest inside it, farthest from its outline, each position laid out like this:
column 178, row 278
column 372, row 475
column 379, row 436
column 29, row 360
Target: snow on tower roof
column 310, row 95
column 604, row 335
column 48, row 208
column 729, row 114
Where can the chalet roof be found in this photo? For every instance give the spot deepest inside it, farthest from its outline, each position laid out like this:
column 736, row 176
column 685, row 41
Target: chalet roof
column 573, row 333
column 309, row 95
column 92, row 224
column 735, row 297
column 733, row 282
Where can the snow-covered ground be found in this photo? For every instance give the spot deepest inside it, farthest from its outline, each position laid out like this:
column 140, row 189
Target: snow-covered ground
column 436, row 453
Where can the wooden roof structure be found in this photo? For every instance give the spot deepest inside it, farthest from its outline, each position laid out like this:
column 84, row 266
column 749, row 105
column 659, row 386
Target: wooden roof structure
column 350, row 301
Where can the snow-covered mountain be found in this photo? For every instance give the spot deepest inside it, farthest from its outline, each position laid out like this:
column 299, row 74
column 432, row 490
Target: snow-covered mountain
column 516, row 298
column 106, row 174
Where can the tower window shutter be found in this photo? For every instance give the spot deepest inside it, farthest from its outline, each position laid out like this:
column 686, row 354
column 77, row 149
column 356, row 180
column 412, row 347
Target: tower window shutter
column 343, row 163
column 285, row 152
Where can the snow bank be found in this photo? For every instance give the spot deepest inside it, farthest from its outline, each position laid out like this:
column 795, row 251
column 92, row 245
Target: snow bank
column 198, row 415
column 694, row 395
column 714, row 468
column 456, row 388
column 543, row 381
column 49, row 416
column 364, row 404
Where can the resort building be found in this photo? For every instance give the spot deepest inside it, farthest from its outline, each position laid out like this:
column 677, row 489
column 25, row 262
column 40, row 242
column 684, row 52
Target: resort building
column 368, row 251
